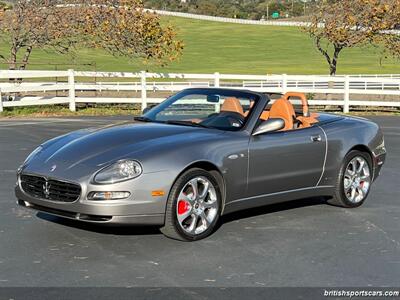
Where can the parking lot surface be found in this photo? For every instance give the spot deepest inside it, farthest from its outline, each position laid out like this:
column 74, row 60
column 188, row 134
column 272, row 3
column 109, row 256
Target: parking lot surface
column 303, row 243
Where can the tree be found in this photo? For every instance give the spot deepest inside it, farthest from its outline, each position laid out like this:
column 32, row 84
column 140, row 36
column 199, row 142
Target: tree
column 391, row 42
column 341, row 24
column 30, row 24
column 122, row 28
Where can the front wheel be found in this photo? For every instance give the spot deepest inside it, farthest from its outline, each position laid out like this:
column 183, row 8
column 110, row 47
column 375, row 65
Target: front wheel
column 354, row 180
column 193, row 206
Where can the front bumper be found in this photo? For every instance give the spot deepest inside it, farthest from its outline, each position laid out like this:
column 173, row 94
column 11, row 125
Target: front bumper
column 140, row 209
column 379, row 160
column 153, row 219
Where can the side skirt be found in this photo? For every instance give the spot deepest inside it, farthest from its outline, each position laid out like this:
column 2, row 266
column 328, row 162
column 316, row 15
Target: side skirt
column 267, row 199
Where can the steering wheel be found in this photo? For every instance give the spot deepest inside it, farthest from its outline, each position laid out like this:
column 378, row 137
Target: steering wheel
column 225, row 119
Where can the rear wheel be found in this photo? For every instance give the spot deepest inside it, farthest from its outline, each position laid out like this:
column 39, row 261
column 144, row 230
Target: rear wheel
column 193, row 206
column 354, row 180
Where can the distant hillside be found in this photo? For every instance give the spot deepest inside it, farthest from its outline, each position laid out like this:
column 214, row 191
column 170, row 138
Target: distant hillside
column 229, row 48
column 244, row 9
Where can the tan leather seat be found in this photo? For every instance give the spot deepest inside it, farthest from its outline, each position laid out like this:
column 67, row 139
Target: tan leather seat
column 282, row 108
column 232, row 104
column 307, row 119
column 246, row 113
column 265, row 115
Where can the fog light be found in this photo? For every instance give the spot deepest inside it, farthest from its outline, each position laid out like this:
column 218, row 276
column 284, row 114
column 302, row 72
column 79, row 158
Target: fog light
column 108, row 195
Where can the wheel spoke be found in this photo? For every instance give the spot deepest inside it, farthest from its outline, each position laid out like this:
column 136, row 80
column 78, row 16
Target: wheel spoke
column 183, row 196
column 347, row 183
column 195, row 188
column 204, row 192
column 360, row 168
column 210, row 204
column 348, row 172
column 353, row 193
column 192, row 227
column 360, row 192
column 206, row 222
column 351, row 168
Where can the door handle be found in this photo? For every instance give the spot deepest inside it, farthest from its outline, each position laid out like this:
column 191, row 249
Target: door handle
column 316, row 138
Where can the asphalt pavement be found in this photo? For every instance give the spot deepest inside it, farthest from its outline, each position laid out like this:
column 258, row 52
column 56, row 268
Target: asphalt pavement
column 304, row 243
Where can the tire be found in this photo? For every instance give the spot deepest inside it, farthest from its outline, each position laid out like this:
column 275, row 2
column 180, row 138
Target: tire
column 185, row 207
column 346, row 182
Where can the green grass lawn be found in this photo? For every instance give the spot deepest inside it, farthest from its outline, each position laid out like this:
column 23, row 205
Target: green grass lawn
column 231, row 48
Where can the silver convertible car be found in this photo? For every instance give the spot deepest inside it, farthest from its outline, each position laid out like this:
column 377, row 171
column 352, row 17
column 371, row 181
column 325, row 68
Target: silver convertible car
column 200, row 154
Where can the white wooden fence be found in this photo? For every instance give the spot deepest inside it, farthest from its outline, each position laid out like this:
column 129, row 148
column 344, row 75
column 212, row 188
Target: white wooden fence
column 280, row 22
column 229, row 20
column 71, row 82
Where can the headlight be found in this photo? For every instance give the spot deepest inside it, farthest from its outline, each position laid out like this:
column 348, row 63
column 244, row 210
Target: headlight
column 120, row 171
column 33, row 153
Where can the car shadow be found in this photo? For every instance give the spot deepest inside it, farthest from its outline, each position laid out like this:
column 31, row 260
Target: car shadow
column 153, row 230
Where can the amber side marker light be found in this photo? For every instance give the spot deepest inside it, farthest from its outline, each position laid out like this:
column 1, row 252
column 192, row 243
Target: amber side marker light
column 157, row 193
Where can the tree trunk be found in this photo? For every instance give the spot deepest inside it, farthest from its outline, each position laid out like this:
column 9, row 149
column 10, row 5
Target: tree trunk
column 26, row 58
column 324, row 52
column 332, row 69
column 12, row 64
column 13, row 58
column 333, row 64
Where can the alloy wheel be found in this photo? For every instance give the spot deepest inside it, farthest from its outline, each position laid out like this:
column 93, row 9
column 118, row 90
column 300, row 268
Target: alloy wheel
column 357, row 179
column 197, row 205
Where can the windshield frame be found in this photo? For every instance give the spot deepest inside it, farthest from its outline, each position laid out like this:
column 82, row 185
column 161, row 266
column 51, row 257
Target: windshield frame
column 258, row 98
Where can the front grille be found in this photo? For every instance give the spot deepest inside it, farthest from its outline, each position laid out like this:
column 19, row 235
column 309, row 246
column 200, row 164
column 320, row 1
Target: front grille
column 51, row 189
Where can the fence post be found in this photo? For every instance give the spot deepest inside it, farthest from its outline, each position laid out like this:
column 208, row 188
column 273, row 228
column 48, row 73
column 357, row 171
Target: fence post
column 216, row 79
column 284, row 83
column 143, row 89
column 346, row 104
column 1, row 102
column 71, row 92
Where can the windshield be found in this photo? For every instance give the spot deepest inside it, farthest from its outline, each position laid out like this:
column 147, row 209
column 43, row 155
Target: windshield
column 220, row 109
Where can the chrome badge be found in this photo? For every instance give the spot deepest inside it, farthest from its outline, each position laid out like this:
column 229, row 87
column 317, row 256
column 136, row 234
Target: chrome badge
column 46, row 189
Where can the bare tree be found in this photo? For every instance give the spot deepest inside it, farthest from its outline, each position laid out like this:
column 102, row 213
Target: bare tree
column 391, row 40
column 337, row 25
column 123, row 28
column 120, row 27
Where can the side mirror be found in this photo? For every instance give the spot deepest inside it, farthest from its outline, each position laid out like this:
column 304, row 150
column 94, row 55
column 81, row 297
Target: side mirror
column 270, row 125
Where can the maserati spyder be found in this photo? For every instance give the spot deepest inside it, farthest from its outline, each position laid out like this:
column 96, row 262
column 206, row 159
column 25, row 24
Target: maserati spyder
column 200, row 154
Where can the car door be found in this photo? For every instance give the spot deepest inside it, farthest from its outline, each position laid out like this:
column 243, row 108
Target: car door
column 285, row 160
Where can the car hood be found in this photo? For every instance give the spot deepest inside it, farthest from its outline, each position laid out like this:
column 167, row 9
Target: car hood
column 94, row 148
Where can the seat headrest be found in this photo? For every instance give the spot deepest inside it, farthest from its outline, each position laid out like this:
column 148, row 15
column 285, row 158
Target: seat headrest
column 232, row 104
column 283, row 109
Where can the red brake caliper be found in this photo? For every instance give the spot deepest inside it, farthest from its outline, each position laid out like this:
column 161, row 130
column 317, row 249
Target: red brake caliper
column 183, row 207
